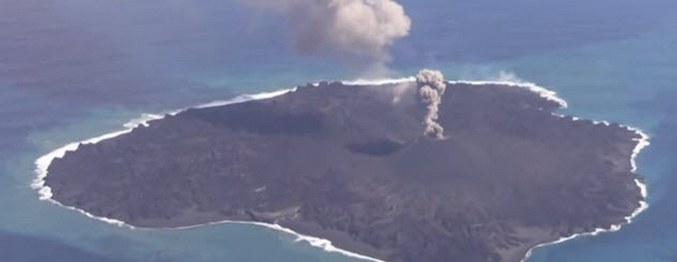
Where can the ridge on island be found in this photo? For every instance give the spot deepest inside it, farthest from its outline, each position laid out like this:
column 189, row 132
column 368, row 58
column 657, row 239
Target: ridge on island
column 350, row 163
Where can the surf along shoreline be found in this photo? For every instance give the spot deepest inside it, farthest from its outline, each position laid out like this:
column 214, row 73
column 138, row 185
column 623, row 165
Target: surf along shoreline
column 45, row 193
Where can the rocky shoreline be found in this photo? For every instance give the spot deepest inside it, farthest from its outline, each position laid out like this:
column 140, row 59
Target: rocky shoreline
column 393, row 184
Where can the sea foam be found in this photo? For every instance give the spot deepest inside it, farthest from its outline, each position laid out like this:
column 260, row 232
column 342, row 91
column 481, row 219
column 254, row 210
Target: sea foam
column 642, row 142
column 45, row 192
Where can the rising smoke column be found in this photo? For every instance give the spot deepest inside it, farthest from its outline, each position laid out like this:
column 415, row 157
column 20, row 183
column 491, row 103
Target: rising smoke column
column 365, row 28
column 431, row 90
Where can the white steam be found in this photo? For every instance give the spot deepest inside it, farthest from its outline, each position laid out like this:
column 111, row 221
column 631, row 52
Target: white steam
column 431, row 90
column 364, row 28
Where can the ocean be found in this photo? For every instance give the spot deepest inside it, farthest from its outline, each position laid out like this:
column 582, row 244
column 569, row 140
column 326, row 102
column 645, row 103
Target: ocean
column 75, row 69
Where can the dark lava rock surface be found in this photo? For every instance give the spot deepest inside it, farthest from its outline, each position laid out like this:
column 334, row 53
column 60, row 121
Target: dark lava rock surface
column 350, row 164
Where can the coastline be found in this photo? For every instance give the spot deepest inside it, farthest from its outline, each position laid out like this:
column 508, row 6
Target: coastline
column 44, row 191
column 642, row 143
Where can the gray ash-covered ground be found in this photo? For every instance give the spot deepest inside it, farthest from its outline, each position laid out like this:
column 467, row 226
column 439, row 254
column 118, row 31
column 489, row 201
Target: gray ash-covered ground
column 351, row 164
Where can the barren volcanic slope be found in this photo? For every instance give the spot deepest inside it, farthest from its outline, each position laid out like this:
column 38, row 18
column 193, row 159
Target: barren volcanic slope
column 351, row 164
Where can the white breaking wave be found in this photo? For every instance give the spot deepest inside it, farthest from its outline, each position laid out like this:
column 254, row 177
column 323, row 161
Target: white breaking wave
column 323, row 244
column 541, row 91
column 642, row 142
column 45, row 192
column 245, row 98
column 378, row 82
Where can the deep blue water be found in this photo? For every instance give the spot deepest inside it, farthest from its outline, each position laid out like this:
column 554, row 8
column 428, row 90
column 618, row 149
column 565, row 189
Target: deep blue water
column 75, row 69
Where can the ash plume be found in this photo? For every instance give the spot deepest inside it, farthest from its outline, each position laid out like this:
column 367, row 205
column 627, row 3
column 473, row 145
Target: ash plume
column 431, row 90
column 364, row 28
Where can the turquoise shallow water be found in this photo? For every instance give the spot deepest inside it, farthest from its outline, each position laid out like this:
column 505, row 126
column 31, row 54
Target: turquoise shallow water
column 77, row 69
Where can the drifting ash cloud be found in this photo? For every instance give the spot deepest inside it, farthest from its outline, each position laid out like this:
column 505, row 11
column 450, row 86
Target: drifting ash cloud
column 363, row 28
column 431, row 90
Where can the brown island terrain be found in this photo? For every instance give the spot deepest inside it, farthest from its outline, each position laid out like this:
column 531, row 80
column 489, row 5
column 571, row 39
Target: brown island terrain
column 350, row 163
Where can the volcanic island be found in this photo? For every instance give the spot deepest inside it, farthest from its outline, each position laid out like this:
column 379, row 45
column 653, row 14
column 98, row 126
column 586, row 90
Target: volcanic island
column 402, row 171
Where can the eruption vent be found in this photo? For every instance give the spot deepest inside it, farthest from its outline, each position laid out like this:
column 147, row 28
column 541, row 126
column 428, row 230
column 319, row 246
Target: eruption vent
column 431, row 89
column 365, row 28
